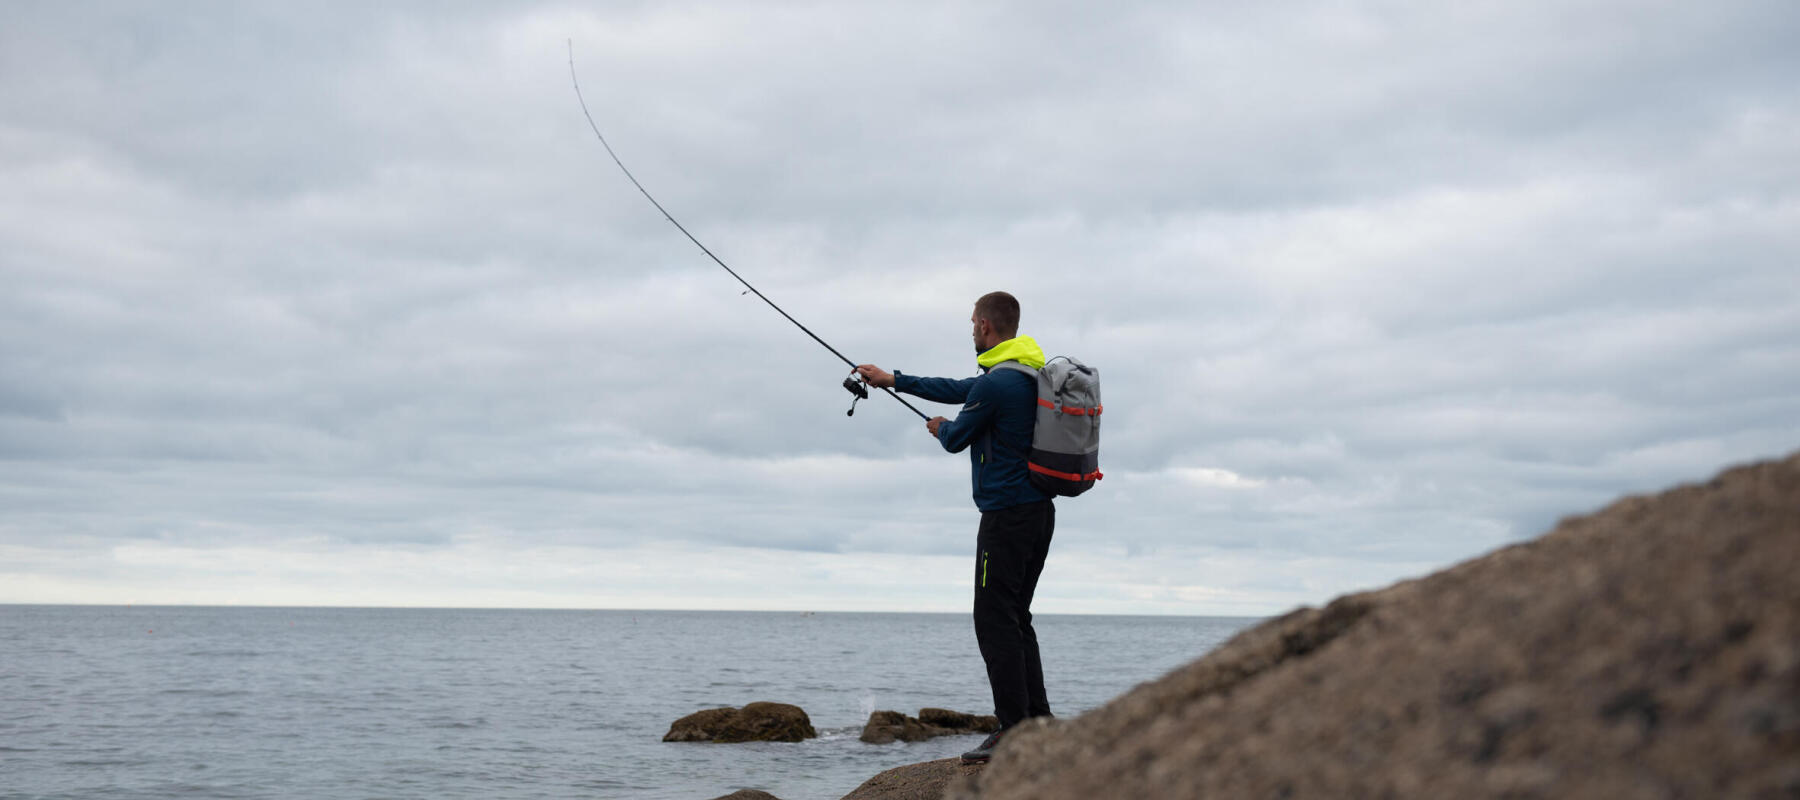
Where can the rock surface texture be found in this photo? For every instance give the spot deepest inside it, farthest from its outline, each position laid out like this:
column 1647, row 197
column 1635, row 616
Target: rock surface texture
column 1651, row 650
column 700, row 726
column 747, row 794
column 889, row 726
column 925, row 781
column 757, row 722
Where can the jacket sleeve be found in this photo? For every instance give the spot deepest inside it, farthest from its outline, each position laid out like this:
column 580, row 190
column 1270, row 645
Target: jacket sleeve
column 937, row 390
column 974, row 418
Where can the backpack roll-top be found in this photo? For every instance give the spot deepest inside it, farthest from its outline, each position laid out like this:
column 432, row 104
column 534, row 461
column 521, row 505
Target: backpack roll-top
column 1065, row 442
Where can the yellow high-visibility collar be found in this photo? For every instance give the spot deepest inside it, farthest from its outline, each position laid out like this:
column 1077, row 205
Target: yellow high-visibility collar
column 1022, row 349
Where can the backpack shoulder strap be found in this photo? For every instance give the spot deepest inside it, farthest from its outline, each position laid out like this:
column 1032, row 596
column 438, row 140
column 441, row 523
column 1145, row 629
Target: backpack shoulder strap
column 1033, row 374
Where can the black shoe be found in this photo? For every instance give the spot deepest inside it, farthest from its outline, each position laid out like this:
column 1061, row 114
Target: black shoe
column 980, row 755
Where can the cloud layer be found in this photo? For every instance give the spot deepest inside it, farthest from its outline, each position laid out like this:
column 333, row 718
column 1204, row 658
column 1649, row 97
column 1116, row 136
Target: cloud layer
column 332, row 305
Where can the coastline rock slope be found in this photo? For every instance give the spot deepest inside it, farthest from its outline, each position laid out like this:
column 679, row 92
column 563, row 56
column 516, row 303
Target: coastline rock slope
column 1650, row 650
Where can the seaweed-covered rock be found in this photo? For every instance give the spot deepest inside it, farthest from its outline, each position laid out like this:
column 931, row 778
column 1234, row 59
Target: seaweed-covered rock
column 700, row 726
column 884, row 727
column 958, row 721
column 757, row 722
column 768, row 722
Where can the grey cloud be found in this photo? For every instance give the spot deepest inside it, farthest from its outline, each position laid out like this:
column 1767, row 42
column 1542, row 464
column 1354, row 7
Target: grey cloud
column 1421, row 281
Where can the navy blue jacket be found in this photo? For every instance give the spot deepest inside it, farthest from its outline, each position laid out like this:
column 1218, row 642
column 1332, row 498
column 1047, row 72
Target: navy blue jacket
column 998, row 414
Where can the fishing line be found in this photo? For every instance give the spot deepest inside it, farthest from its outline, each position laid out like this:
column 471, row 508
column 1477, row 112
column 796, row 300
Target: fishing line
column 853, row 383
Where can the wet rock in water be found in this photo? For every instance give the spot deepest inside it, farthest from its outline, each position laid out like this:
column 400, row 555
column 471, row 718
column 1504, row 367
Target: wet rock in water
column 958, row 721
column 768, row 722
column 1651, row 649
column 700, row 726
column 757, row 722
column 884, row 727
column 926, row 781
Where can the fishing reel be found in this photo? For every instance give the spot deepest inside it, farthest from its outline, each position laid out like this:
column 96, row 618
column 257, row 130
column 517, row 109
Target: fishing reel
column 856, row 386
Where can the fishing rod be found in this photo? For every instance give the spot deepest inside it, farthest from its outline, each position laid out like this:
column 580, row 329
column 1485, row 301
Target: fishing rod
column 853, row 384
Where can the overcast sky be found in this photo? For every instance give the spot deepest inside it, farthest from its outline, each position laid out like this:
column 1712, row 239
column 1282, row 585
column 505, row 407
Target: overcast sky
column 323, row 305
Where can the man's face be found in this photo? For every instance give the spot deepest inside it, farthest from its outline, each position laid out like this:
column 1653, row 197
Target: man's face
column 975, row 324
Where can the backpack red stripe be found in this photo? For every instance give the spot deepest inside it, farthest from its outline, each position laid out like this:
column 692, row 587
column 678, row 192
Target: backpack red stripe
column 1074, row 411
column 1067, row 476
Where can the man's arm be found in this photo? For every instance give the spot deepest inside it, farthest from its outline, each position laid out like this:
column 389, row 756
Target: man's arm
column 937, row 390
column 976, row 415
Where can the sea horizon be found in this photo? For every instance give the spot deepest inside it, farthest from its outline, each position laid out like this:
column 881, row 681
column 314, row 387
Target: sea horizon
column 965, row 612
column 177, row 701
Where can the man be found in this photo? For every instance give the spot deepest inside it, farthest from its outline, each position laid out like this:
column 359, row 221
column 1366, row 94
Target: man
column 1017, row 519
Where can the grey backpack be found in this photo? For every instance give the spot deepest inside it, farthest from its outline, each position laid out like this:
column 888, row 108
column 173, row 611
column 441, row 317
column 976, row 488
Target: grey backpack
column 1065, row 442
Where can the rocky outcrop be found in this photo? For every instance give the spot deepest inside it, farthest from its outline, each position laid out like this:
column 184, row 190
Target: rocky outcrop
column 768, row 722
column 958, row 722
column 700, row 726
column 924, row 781
column 757, row 722
column 884, row 727
column 1648, row 650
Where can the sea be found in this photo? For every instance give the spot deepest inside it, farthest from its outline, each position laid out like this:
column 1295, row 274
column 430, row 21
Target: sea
column 193, row 702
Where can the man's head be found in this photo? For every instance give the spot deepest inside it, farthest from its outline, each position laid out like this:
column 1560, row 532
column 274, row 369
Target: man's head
column 996, row 319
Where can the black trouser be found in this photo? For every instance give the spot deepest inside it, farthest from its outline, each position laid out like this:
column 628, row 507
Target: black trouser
column 1010, row 552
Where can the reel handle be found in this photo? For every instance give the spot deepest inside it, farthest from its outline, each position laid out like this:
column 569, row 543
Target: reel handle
column 856, row 386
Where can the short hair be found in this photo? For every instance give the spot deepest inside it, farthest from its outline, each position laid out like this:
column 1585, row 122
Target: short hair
column 1000, row 310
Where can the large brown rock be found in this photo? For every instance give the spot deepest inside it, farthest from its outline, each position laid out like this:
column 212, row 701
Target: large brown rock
column 884, row 727
column 1651, row 650
column 700, row 726
column 756, row 722
column 768, row 722
column 924, row 781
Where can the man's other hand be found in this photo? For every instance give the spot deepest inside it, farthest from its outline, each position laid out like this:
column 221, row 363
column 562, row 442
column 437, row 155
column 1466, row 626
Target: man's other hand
column 932, row 425
column 876, row 376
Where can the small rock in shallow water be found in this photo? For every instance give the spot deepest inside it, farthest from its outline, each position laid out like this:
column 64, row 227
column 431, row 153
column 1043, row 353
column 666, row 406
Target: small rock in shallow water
column 700, row 726
column 884, row 727
column 945, row 718
column 768, row 722
column 757, row 722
